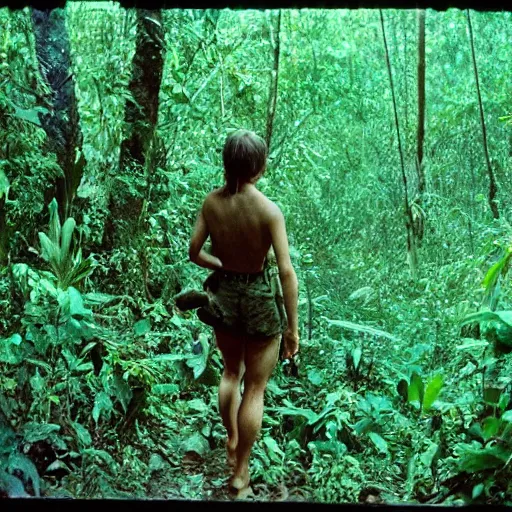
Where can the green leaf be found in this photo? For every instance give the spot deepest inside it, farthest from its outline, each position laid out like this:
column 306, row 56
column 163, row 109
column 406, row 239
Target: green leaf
column 99, row 299
column 365, row 293
column 88, row 347
column 82, row 433
column 4, row 184
column 507, row 416
column 428, row 456
column 475, row 460
column 197, row 405
column 15, row 339
column 122, row 391
column 198, row 362
column 504, row 401
column 492, row 395
column 471, row 343
column 432, row 391
column 166, row 389
column 169, row 358
column 488, row 316
column 415, row 391
column 102, row 403
column 9, row 353
column 101, row 454
column 360, row 328
column 379, row 442
column 76, row 305
column 30, row 115
column 142, row 327
column 176, row 320
column 315, row 376
column 274, row 452
column 491, row 425
column 356, row 357
column 477, row 490
column 55, row 228
column 196, row 443
column 155, row 462
column 37, row 382
column 58, row 464
column 363, row 426
column 337, row 448
column 291, row 410
column 49, row 251
column 65, row 244
column 493, row 273
column 33, row 432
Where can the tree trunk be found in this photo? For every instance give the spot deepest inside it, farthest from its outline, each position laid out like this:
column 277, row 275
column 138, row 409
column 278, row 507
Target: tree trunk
column 417, row 211
column 493, row 188
column 4, row 236
column 141, row 115
column 272, row 96
column 406, row 90
column 62, row 128
column 411, row 242
column 421, row 103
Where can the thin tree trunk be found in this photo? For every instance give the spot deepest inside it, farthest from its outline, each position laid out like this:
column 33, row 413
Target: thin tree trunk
column 272, row 97
column 472, row 202
column 62, row 127
column 4, row 234
column 411, row 243
column 310, row 309
column 406, row 92
column 493, row 188
column 421, row 103
column 141, row 117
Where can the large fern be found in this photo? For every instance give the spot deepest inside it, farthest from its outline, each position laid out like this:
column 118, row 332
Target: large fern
column 69, row 268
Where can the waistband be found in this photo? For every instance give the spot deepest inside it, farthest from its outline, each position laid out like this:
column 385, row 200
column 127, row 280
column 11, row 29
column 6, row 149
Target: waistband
column 242, row 277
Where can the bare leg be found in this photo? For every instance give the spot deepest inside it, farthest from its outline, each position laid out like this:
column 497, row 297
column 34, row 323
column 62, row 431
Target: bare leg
column 232, row 349
column 260, row 359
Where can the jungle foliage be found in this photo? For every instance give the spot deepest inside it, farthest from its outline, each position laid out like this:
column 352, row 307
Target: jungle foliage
column 109, row 139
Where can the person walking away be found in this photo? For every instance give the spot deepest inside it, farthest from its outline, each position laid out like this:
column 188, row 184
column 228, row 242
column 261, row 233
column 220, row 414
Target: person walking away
column 249, row 311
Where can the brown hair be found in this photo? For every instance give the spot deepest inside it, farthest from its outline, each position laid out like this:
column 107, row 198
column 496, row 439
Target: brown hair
column 244, row 157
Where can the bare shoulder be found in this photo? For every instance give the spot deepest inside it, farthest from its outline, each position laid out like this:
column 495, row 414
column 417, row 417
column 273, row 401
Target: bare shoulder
column 269, row 209
column 212, row 198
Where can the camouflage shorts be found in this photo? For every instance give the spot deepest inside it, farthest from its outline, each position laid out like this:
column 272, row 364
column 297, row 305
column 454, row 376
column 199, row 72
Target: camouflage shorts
column 245, row 303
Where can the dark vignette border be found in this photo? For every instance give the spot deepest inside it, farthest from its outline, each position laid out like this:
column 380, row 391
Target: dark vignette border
column 438, row 5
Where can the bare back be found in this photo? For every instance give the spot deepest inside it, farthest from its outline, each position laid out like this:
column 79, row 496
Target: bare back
column 239, row 227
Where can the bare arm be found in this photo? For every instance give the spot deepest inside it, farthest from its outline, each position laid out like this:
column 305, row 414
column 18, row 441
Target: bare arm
column 196, row 252
column 288, row 279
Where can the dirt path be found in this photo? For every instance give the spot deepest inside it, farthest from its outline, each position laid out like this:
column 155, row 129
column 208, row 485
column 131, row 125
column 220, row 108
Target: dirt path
column 206, row 479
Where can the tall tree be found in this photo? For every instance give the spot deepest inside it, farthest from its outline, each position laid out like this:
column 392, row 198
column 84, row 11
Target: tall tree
column 62, row 127
column 421, row 102
column 411, row 242
column 4, row 235
column 493, row 187
column 417, row 205
column 141, row 115
column 274, row 81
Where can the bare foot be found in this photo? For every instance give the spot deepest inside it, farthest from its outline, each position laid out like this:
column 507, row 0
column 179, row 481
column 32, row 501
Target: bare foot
column 239, row 484
column 244, row 493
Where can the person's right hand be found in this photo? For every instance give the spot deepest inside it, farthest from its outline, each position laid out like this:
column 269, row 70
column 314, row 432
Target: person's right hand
column 291, row 343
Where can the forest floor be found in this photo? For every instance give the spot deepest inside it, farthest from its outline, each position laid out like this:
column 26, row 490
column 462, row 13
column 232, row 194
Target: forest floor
column 211, row 474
